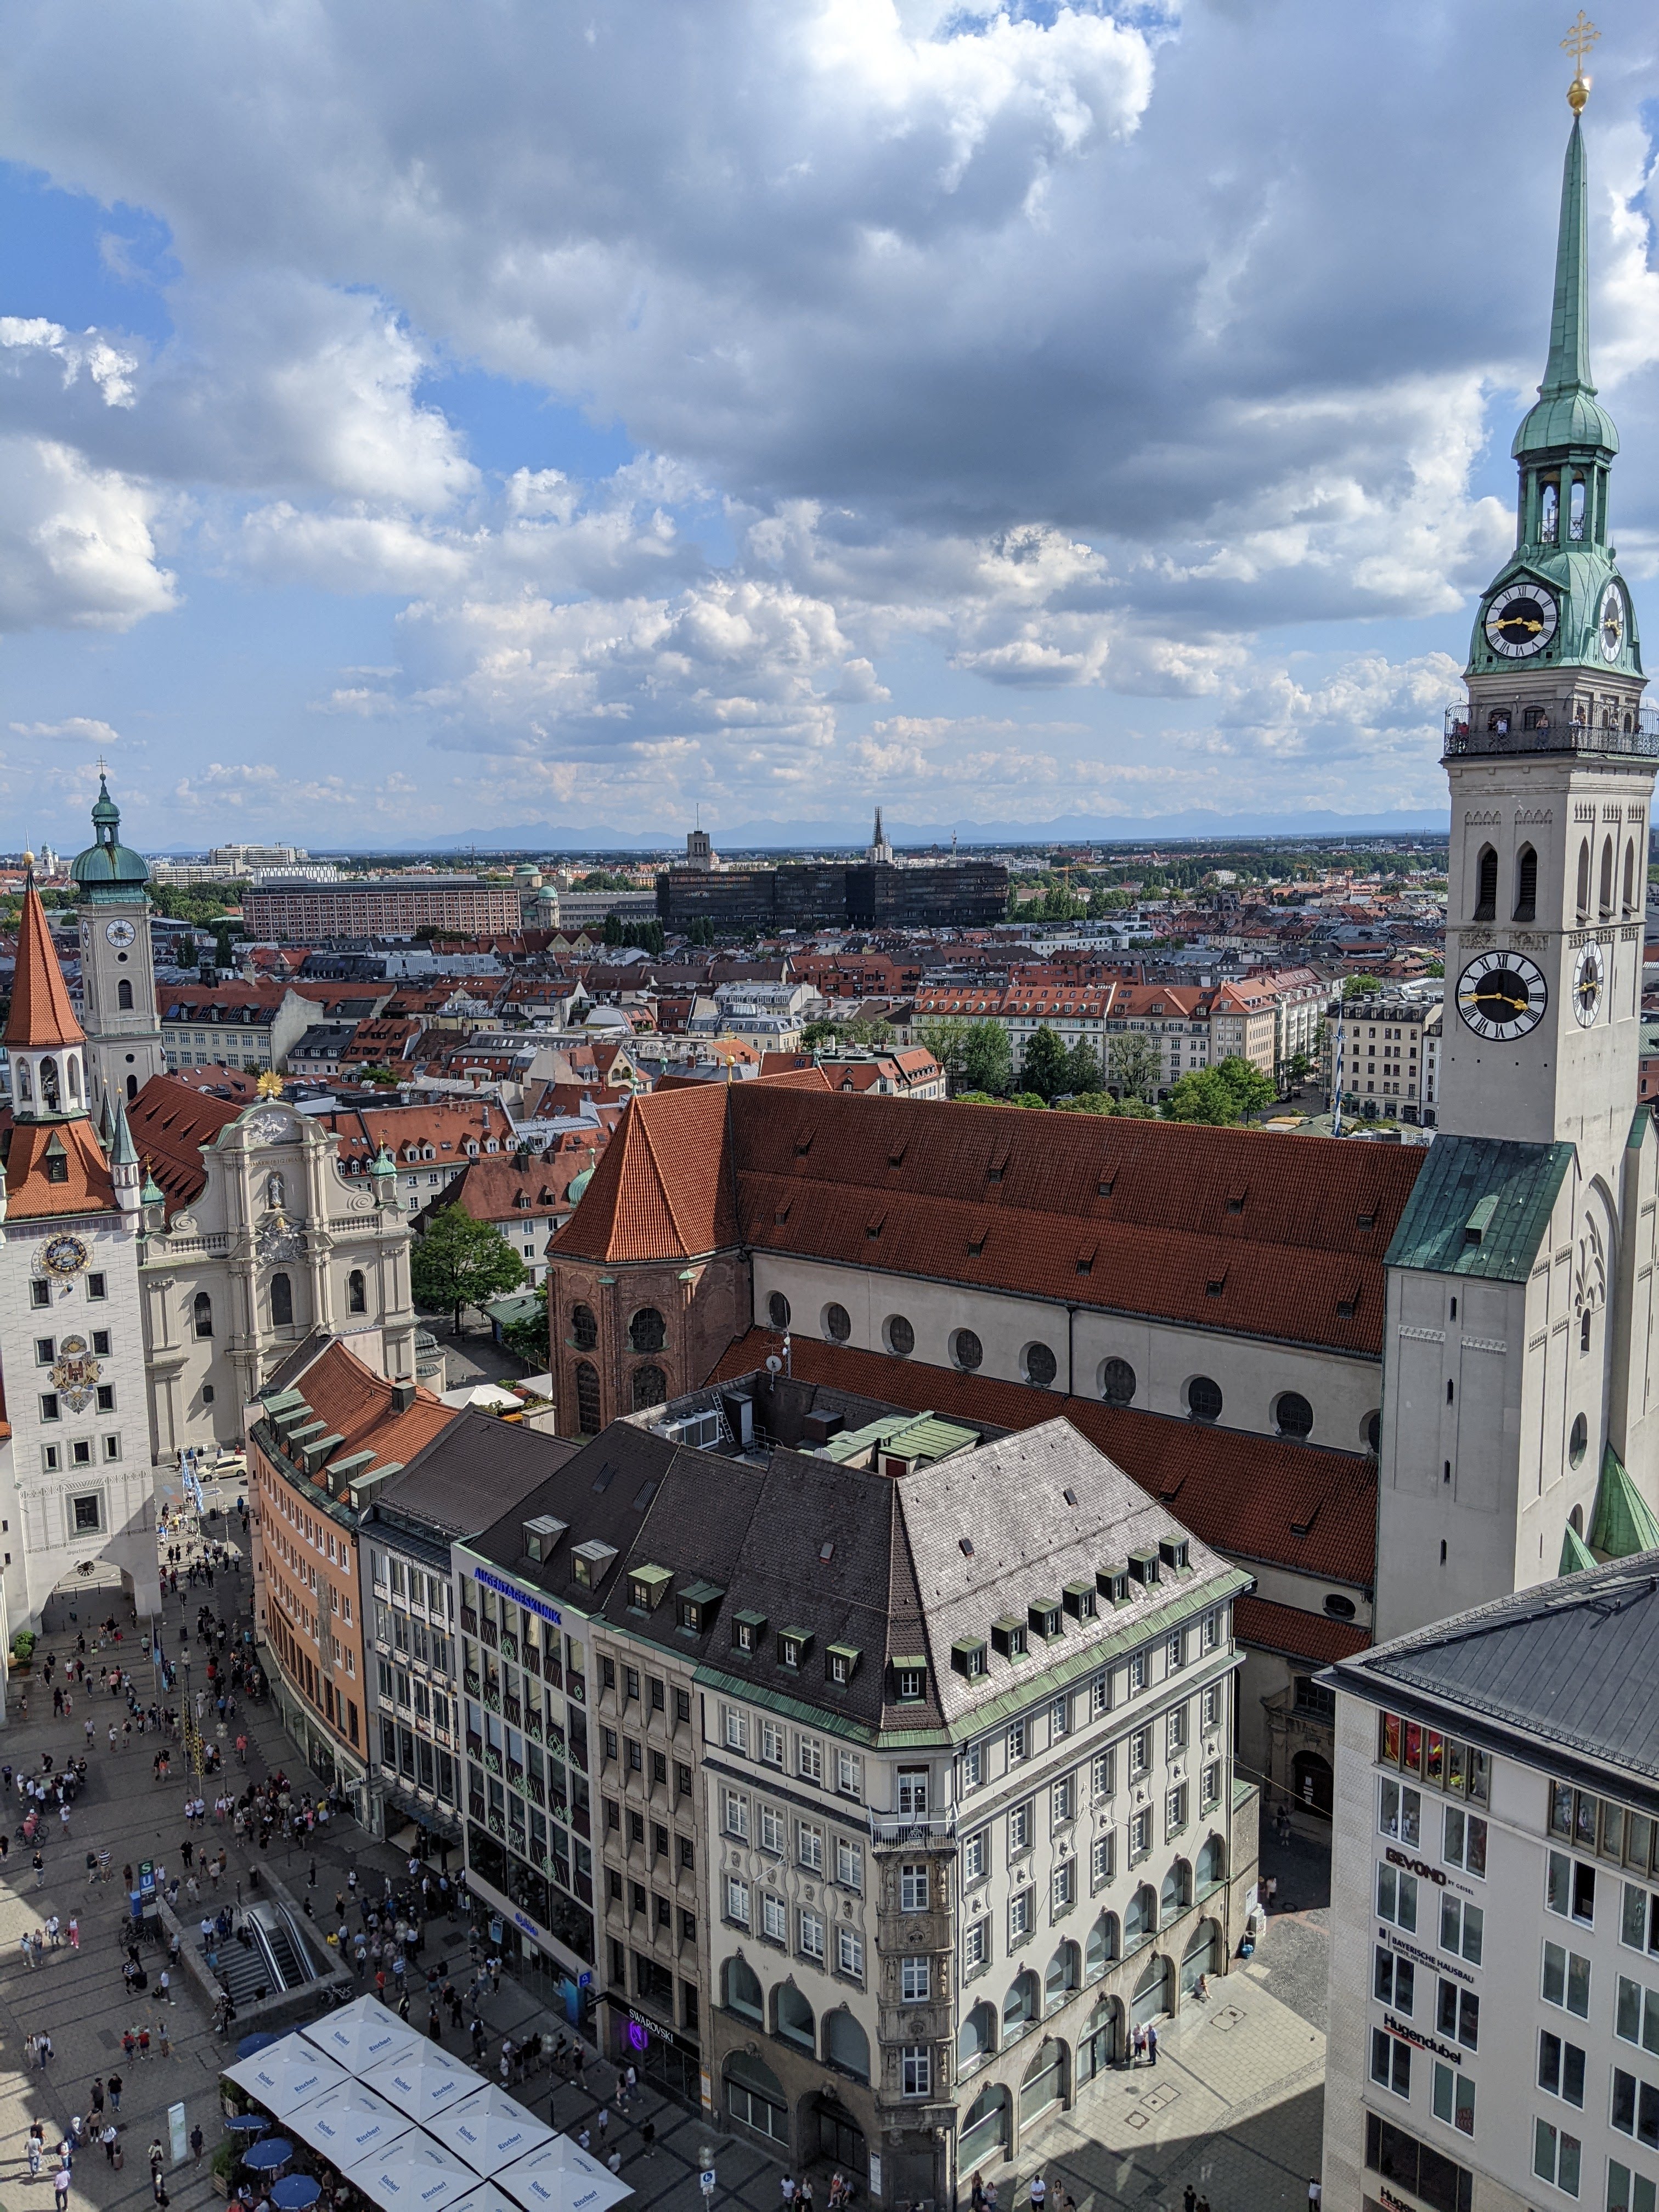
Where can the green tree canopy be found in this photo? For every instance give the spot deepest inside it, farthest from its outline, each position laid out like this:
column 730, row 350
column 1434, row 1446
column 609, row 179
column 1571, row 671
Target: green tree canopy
column 1082, row 1067
column 1133, row 1063
column 1089, row 1102
column 528, row 1339
column 1221, row 1094
column 460, row 1263
column 1043, row 1068
column 1361, row 986
column 986, row 1062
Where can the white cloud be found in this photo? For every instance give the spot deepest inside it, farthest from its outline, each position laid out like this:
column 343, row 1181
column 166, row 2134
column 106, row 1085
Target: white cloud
column 77, row 543
column 77, row 729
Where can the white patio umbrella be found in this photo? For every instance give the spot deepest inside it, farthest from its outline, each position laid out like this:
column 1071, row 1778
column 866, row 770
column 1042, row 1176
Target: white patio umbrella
column 559, row 2178
column 490, row 2129
column 286, row 2075
column 486, row 2198
column 361, row 2035
column 413, row 2174
column 349, row 2123
column 424, row 2081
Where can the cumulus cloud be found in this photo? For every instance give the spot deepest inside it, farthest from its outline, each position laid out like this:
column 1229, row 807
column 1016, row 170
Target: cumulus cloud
column 77, row 729
column 77, row 549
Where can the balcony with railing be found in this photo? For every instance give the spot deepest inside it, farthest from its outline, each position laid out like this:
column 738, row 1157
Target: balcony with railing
column 1471, row 732
column 928, row 1830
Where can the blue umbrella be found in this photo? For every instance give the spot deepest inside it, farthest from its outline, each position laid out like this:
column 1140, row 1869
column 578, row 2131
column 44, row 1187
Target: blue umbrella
column 253, row 2124
column 296, row 2192
column 250, row 2044
column 265, row 2157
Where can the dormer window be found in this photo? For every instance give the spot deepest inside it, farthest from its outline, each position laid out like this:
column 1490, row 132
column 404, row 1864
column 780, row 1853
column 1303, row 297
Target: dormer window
column 1008, row 1637
column 909, row 1681
column 1112, row 1585
column 1047, row 1618
column 968, row 1657
column 793, row 1646
column 647, row 1586
column 1080, row 1601
column 540, row 1537
column 589, row 1562
column 1173, row 1550
column 697, row 1605
column 747, row 1630
column 841, row 1663
column 1143, row 1567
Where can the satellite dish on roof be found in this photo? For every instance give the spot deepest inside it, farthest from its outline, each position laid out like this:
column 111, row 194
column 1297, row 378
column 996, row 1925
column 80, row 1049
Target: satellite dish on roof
column 774, row 1366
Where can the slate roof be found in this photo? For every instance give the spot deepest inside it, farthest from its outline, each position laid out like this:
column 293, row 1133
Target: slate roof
column 892, row 1568
column 1481, row 1206
column 1563, row 1674
column 1257, row 1498
column 473, row 1471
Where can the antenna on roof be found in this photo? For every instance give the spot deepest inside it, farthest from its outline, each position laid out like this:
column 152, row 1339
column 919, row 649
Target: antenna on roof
column 774, row 1365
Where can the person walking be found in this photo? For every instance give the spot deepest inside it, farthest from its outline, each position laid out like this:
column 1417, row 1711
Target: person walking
column 157, row 2156
column 116, row 2086
column 162, row 2037
column 196, row 2141
column 1152, row 2041
column 109, row 2138
column 43, row 2048
column 40, row 1865
column 1039, row 2192
column 74, row 1933
column 60, row 2189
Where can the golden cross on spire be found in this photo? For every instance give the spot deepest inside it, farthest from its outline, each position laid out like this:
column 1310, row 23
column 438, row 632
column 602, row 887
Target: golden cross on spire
column 1581, row 35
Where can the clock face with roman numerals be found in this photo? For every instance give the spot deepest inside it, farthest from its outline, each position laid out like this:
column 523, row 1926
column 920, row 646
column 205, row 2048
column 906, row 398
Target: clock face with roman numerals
column 1520, row 621
column 1501, row 995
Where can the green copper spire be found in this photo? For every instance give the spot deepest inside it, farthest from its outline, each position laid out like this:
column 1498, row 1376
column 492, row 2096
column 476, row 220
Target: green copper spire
column 1567, row 413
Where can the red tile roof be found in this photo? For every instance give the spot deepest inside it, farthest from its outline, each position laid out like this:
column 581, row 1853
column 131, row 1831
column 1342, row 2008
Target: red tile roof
column 170, row 1121
column 353, row 1399
column 1295, row 1634
column 1228, row 1229
column 30, row 1146
column 1247, row 1495
column 661, row 1189
column 40, row 1012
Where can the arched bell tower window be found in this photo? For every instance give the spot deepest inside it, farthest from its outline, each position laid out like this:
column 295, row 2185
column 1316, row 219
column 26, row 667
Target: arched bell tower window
column 1576, row 511
column 1629, row 900
column 1583, row 880
column 1607, row 879
column 1486, row 878
column 123, row 996
column 1549, row 514
column 1526, row 884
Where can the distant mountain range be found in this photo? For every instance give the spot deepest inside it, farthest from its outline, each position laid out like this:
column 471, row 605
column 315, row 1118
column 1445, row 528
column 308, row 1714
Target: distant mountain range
column 787, row 836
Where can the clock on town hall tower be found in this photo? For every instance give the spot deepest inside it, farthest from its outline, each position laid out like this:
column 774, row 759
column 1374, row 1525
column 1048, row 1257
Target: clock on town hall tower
column 118, row 973
column 1552, row 769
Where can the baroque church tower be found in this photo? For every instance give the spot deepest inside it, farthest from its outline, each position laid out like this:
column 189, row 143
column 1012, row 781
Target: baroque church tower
column 117, row 970
column 1520, row 1431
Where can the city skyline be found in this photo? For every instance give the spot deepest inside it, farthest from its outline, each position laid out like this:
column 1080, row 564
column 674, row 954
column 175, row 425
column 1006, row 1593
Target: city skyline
column 955, row 439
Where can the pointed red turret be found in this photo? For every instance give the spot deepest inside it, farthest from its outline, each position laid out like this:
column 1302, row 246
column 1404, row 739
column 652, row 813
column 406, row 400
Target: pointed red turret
column 41, row 1015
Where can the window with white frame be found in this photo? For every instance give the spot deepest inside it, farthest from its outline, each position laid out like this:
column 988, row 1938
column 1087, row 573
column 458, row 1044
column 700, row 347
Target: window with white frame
column 736, row 1900
column 1017, row 1742
column 1103, row 1775
column 736, row 1728
column 849, row 1952
column 1102, row 1857
column 1174, row 1730
column 808, row 1846
column 1140, row 1752
column 1020, row 1828
column 1100, row 1695
column 1020, row 1915
column 973, row 1766
column 973, row 1953
column 1175, row 1810
column 809, row 1753
column 775, row 1918
column 915, row 1981
column 812, row 1937
column 771, row 1828
column 1210, row 1631
column 737, row 1815
column 1210, row 1786
column 771, row 1743
column 1140, row 1834
column 916, row 2070
column 1062, row 1889
column 1210, row 1706
column 1062, row 1800
column 975, row 1858
column 1060, row 1718
column 1137, row 1671
column 849, row 1774
column 1175, row 1650
column 914, row 1886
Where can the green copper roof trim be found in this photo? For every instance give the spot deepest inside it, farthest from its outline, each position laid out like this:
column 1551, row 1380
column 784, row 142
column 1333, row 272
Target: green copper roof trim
column 1567, row 413
column 1642, row 1120
column 1447, row 1229
column 1623, row 1522
column 1575, row 1558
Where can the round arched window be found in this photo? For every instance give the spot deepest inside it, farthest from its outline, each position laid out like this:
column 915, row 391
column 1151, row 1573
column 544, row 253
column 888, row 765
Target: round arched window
column 1578, row 1442
column 1117, row 1382
column 966, row 1349
column 777, row 1310
column 837, row 1324
column 900, row 1336
column 1041, row 1365
column 647, row 1331
column 1204, row 1399
column 1293, row 1414
column 1339, row 1607
column 584, row 1328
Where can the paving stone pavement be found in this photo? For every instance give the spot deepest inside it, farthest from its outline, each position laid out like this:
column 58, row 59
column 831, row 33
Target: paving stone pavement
column 1234, row 2105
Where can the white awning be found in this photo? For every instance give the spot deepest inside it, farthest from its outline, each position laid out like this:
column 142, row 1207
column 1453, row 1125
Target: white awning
column 424, row 2081
column 349, row 2123
column 490, row 2129
column 361, row 2035
column 286, row 2075
column 413, row 2175
column 559, row 2178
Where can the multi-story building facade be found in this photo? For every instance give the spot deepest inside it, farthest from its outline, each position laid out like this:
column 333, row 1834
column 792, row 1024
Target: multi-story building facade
column 75, row 1459
column 894, row 1839
column 298, row 912
column 1384, row 1054
column 1495, row 1897
column 325, row 1432
column 253, row 1026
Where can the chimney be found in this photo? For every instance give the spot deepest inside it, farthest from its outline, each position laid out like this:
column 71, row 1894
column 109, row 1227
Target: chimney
column 403, row 1397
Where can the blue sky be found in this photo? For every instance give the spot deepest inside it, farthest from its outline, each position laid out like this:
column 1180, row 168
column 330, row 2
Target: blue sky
column 601, row 415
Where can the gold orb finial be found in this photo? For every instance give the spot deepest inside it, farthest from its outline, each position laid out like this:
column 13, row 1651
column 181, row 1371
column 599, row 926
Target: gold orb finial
column 28, row 859
column 1581, row 35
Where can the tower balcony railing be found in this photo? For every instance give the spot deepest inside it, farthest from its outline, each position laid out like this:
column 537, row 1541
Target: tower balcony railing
column 1532, row 729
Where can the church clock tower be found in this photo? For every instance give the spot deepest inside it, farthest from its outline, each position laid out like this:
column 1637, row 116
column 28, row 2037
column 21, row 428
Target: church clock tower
column 117, row 972
column 1552, row 771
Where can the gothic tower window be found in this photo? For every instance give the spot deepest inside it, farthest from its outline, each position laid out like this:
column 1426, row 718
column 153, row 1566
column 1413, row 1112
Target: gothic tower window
column 123, row 995
column 1630, row 878
column 1583, row 880
column 1526, row 884
column 356, row 1293
column 1549, row 516
column 1606, row 878
column 49, row 1097
column 1576, row 513
column 1485, row 876
column 202, row 1314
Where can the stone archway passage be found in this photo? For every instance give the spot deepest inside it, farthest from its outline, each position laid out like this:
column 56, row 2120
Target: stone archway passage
column 1312, row 1784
